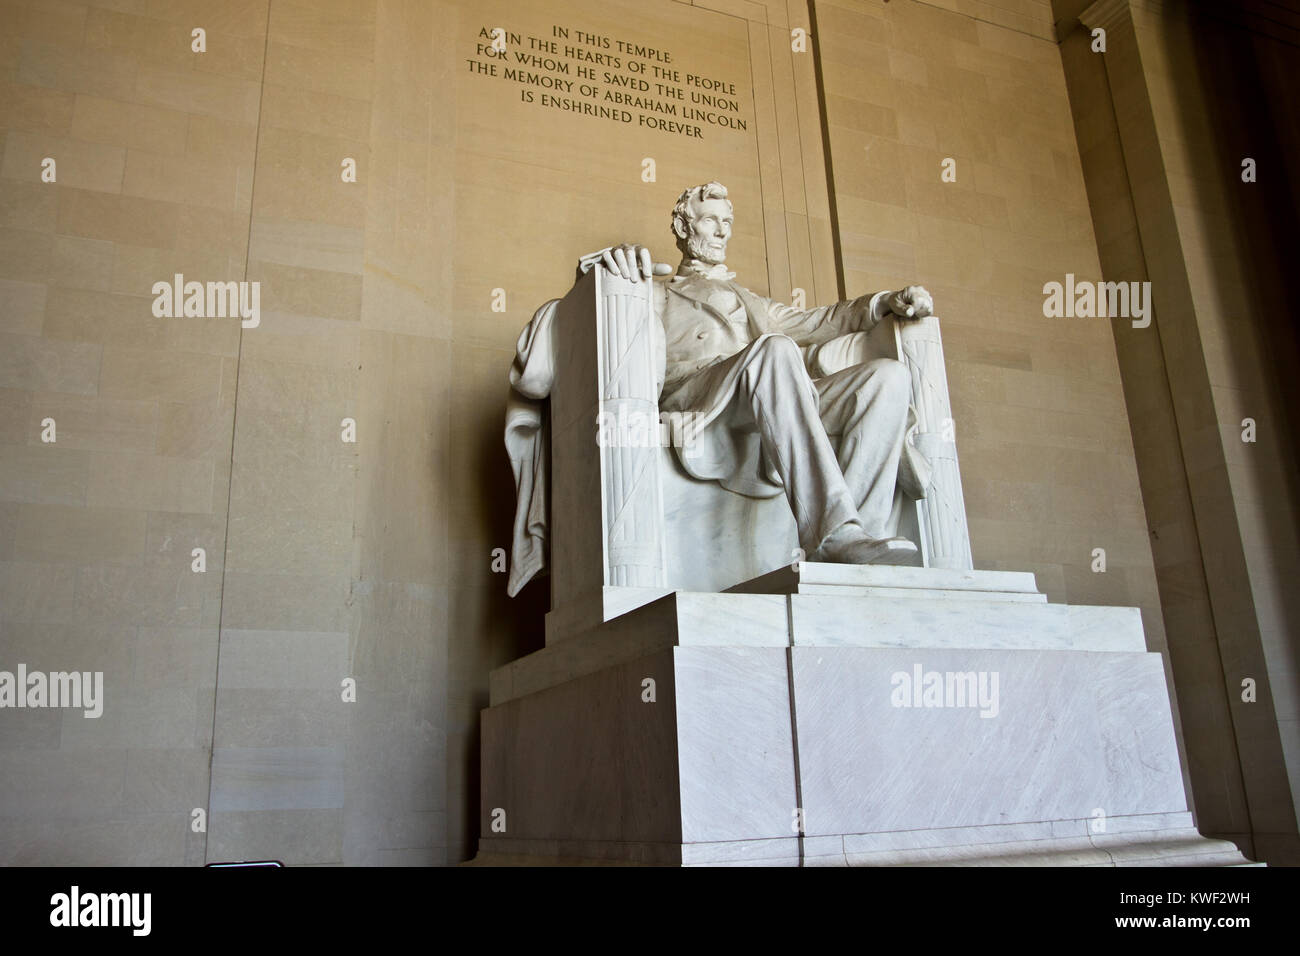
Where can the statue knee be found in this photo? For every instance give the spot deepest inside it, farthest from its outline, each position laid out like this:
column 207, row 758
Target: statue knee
column 782, row 349
column 894, row 377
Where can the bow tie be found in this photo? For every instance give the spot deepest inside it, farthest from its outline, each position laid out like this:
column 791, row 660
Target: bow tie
column 695, row 267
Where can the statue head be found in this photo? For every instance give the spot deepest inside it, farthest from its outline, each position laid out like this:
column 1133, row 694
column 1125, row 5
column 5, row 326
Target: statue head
column 702, row 223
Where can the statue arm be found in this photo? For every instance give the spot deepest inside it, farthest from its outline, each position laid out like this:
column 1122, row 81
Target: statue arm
column 814, row 326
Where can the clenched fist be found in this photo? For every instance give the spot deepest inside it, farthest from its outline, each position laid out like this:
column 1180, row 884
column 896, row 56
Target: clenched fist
column 912, row 302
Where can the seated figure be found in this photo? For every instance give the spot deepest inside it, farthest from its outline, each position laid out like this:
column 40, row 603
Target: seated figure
column 832, row 442
column 779, row 399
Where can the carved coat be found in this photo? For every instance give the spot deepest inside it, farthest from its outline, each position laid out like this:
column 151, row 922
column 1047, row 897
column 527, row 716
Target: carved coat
column 707, row 321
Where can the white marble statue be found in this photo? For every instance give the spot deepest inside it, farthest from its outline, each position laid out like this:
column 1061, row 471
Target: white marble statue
column 740, row 364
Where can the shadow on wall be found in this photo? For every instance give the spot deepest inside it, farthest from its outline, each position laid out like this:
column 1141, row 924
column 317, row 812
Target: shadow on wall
column 1249, row 87
column 488, row 629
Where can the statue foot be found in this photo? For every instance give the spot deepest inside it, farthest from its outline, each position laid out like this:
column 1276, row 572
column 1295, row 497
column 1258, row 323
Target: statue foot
column 854, row 546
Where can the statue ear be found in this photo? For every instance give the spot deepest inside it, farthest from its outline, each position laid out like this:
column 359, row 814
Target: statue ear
column 679, row 227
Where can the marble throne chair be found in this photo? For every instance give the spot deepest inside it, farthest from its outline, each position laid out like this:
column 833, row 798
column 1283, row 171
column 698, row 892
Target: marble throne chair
column 658, row 528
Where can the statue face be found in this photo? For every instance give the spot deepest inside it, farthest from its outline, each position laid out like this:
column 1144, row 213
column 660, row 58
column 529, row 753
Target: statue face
column 710, row 228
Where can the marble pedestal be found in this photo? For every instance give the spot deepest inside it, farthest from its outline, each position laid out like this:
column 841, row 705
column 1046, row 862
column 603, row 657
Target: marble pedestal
column 788, row 723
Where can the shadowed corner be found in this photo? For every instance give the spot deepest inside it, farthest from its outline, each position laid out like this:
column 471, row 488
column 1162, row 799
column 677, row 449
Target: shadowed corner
column 503, row 628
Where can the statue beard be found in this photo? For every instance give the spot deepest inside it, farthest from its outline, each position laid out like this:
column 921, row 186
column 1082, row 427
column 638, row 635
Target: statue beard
column 697, row 248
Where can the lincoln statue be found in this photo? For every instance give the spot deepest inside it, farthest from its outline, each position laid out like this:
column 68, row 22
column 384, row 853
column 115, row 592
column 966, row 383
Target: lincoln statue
column 740, row 362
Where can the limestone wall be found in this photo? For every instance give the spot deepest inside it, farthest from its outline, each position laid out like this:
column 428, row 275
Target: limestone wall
column 315, row 690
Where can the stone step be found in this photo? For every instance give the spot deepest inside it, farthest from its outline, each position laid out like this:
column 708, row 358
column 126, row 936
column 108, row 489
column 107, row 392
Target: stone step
column 696, row 619
column 918, row 620
column 874, row 582
column 1183, row 847
column 868, row 580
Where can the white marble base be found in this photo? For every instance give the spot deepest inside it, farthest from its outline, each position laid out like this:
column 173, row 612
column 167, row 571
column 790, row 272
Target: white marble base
column 769, row 707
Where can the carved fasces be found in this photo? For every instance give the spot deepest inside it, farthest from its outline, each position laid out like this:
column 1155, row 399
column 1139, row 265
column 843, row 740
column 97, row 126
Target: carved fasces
column 942, row 512
column 633, row 498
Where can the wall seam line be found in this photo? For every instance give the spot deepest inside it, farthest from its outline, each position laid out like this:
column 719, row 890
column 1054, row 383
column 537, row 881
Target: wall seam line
column 234, row 423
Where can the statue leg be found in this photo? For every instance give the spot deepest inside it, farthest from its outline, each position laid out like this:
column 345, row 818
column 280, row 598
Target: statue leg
column 864, row 411
column 780, row 396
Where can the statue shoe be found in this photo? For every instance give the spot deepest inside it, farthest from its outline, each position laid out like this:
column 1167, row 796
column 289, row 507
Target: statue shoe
column 852, row 545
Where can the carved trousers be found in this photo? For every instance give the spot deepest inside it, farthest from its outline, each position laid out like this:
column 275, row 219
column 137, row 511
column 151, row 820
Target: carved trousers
column 834, row 441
